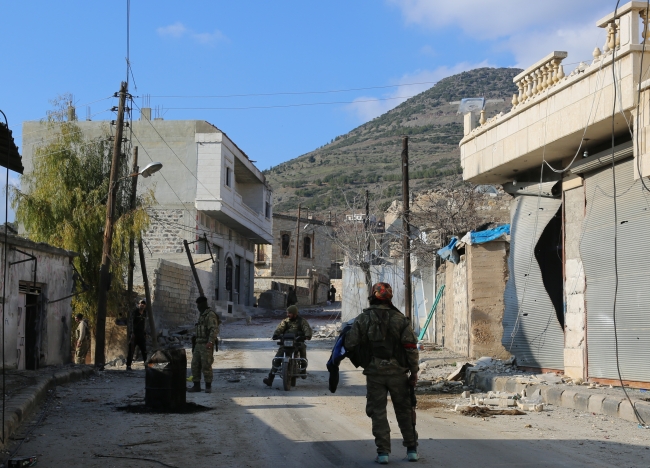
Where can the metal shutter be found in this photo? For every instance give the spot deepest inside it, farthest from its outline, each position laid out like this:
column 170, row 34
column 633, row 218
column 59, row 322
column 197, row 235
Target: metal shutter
column 538, row 338
column 597, row 252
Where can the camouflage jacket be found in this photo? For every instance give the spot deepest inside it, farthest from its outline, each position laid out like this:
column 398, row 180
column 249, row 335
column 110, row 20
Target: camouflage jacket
column 299, row 327
column 207, row 328
column 368, row 328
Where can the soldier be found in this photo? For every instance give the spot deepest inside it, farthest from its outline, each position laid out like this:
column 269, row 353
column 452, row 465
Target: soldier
column 292, row 298
column 207, row 330
column 297, row 325
column 83, row 339
column 386, row 345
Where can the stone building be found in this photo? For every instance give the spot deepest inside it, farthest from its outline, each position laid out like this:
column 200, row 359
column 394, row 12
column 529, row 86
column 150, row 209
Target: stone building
column 276, row 263
column 579, row 266
column 207, row 187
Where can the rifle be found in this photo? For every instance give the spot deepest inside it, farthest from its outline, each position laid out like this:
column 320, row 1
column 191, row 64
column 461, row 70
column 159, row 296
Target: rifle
column 414, row 403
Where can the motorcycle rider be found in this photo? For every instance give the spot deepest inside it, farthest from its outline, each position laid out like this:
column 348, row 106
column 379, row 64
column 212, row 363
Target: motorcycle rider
column 297, row 325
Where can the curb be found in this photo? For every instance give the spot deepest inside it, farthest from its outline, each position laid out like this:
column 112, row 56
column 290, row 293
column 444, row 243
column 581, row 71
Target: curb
column 20, row 405
column 613, row 406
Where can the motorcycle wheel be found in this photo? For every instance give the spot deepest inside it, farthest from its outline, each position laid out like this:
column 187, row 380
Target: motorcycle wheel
column 286, row 380
column 294, row 371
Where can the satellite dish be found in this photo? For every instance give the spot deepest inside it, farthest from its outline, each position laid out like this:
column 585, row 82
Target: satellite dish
column 471, row 105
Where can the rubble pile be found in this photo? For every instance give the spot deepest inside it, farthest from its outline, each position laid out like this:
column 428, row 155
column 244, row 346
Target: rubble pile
column 177, row 338
column 330, row 330
column 523, row 401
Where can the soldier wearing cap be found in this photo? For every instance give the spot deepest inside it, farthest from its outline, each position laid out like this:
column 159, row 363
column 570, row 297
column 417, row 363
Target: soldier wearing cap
column 207, row 330
column 297, row 325
column 386, row 346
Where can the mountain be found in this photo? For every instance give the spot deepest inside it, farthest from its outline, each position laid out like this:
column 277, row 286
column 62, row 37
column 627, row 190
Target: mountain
column 369, row 157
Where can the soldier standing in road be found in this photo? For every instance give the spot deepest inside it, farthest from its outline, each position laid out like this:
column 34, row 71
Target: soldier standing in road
column 207, row 330
column 83, row 339
column 386, row 347
column 297, row 325
column 332, row 294
column 292, row 298
column 138, row 336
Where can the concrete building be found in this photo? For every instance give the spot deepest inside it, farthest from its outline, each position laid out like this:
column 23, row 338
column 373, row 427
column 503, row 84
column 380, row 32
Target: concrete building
column 208, row 186
column 579, row 267
column 276, row 263
column 37, row 312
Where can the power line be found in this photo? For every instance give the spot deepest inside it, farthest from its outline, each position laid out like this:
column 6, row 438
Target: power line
column 291, row 93
column 290, row 105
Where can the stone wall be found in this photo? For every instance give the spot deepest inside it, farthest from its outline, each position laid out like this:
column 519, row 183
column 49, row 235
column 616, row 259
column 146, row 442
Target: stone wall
column 574, row 284
column 458, row 334
column 167, row 230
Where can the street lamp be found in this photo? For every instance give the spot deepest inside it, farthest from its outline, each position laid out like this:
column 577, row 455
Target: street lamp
column 151, row 168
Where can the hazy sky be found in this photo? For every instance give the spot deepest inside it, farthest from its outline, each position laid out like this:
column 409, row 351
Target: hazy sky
column 218, row 47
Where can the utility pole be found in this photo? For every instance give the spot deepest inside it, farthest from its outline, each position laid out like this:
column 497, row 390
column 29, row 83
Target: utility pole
column 147, row 294
column 406, row 236
column 104, row 274
column 366, row 254
column 134, row 188
column 196, row 275
column 295, row 266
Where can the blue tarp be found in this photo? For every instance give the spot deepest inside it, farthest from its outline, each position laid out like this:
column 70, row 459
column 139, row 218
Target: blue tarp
column 489, row 235
column 449, row 252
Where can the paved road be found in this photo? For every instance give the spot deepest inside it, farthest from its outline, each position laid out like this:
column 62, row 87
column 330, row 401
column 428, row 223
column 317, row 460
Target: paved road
column 253, row 426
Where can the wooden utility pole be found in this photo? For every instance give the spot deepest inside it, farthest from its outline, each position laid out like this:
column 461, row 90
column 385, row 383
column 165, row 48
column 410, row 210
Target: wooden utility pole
column 366, row 254
column 147, row 294
column 196, row 275
column 104, row 273
column 295, row 266
column 134, row 188
column 406, row 236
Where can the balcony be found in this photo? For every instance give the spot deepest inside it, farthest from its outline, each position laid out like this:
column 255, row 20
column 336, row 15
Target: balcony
column 552, row 112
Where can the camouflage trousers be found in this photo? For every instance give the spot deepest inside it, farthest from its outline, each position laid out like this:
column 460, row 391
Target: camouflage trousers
column 81, row 352
column 202, row 359
column 378, row 387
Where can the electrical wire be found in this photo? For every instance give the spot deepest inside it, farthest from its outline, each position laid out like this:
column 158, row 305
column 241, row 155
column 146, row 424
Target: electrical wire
column 290, row 105
column 4, row 285
column 640, row 420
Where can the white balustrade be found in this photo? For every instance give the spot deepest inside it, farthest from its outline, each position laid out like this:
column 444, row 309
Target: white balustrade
column 537, row 79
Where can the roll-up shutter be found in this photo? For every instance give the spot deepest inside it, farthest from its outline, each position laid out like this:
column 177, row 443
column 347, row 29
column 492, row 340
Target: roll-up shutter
column 633, row 298
column 532, row 332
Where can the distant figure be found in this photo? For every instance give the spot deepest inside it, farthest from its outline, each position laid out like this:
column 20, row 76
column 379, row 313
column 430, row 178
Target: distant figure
column 83, row 340
column 138, row 336
column 332, row 294
column 291, row 297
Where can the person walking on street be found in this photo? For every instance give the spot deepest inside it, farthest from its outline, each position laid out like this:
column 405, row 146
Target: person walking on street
column 297, row 325
column 207, row 331
column 332, row 294
column 292, row 298
column 83, row 339
column 138, row 337
column 386, row 347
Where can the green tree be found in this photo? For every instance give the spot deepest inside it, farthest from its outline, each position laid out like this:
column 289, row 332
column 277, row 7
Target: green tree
column 63, row 202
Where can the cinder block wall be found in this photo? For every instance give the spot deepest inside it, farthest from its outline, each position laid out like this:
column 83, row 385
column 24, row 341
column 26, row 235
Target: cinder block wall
column 486, row 278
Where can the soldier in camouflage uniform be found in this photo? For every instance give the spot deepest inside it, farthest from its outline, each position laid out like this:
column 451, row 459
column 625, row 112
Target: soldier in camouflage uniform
column 385, row 340
column 297, row 325
column 207, row 330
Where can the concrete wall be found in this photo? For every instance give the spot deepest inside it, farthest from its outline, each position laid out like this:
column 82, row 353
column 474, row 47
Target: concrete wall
column 486, row 276
column 458, row 334
column 575, row 332
column 54, row 277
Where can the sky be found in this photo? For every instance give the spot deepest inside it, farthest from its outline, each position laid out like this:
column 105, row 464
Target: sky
column 303, row 71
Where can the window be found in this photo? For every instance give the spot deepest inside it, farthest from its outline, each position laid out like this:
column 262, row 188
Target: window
column 285, row 241
column 306, row 247
column 228, row 176
column 267, row 213
column 260, row 253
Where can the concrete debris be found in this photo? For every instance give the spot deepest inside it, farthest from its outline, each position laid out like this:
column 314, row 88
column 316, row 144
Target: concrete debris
column 327, row 331
column 482, row 411
column 459, row 373
column 423, row 366
column 466, row 394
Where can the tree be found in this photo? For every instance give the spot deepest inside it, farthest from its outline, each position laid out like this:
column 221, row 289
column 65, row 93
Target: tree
column 63, row 202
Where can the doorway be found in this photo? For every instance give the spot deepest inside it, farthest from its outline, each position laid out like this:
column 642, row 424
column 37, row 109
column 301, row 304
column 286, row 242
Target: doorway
column 29, row 324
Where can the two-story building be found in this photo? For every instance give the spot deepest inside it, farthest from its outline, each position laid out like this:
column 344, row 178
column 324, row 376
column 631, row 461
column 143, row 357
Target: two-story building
column 574, row 152
column 207, row 187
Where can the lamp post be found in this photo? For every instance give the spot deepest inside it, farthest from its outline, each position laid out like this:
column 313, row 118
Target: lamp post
column 104, row 275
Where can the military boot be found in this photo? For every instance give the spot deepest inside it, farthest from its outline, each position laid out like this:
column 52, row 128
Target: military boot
column 196, row 388
column 208, row 387
column 269, row 380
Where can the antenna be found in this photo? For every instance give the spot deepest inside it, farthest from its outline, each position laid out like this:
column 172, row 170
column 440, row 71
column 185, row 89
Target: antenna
column 88, row 114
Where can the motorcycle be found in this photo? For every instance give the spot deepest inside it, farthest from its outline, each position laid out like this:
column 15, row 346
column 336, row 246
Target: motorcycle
column 290, row 366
